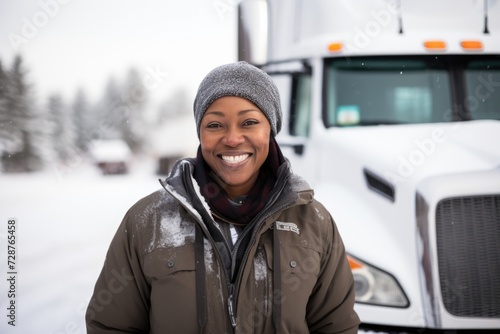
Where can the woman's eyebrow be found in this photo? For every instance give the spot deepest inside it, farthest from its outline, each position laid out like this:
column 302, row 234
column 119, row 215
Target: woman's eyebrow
column 214, row 112
column 242, row 112
column 222, row 114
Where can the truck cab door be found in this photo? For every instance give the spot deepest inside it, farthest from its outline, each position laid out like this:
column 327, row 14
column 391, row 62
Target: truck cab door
column 295, row 92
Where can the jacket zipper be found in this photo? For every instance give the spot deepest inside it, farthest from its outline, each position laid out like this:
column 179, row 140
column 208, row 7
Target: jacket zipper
column 261, row 218
column 252, row 241
column 230, row 291
column 230, row 305
column 230, row 299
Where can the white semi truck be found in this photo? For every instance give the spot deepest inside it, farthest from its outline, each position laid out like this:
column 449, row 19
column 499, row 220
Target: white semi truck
column 392, row 113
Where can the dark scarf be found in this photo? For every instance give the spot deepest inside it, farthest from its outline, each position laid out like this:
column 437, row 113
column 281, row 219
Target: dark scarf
column 256, row 199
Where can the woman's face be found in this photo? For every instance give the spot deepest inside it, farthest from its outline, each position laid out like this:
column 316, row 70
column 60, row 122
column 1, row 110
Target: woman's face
column 234, row 137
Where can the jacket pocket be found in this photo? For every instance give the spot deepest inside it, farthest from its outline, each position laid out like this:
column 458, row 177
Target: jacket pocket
column 300, row 269
column 171, row 275
column 300, row 266
column 163, row 262
column 295, row 260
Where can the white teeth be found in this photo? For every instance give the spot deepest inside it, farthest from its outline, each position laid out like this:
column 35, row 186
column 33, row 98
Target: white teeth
column 233, row 159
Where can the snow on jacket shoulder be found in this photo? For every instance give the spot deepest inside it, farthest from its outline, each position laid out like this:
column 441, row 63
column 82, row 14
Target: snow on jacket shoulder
column 148, row 282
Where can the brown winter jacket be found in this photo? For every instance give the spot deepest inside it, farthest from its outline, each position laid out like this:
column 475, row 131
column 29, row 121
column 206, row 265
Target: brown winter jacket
column 149, row 282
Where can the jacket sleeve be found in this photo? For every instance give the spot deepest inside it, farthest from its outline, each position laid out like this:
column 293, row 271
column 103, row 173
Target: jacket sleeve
column 331, row 306
column 120, row 302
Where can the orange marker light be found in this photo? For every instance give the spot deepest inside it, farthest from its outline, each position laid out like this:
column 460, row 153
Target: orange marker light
column 353, row 263
column 435, row 45
column 335, row 47
column 471, row 45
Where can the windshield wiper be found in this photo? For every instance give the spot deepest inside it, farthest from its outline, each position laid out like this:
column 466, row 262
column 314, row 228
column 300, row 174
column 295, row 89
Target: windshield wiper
column 372, row 122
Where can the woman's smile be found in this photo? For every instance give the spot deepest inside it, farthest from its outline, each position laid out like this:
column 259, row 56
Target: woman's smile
column 234, row 159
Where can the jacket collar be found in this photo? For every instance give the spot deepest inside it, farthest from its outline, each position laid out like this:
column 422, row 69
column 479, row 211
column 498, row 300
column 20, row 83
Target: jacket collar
column 296, row 189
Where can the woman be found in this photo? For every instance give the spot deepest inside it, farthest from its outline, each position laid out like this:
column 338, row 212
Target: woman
column 235, row 242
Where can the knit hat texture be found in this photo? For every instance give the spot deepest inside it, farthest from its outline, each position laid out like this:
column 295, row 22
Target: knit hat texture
column 243, row 80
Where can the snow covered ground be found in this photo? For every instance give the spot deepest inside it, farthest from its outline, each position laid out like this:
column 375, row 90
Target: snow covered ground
column 65, row 221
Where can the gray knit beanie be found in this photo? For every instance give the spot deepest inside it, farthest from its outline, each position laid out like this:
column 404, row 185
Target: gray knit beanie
column 243, row 80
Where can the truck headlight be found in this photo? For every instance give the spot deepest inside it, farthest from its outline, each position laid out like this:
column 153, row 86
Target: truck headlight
column 374, row 286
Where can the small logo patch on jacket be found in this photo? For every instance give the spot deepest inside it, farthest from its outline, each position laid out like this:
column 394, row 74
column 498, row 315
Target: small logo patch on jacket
column 284, row 226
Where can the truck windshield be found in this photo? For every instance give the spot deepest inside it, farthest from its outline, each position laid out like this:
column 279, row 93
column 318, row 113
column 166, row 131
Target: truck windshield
column 407, row 90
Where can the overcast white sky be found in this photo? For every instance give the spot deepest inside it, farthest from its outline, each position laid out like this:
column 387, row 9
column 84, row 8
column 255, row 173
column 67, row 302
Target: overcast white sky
column 68, row 44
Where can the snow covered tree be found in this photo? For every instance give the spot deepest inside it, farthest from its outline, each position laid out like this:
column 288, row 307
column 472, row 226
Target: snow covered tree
column 133, row 126
column 110, row 111
column 82, row 121
column 62, row 129
column 22, row 150
column 7, row 138
column 121, row 112
column 10, row 123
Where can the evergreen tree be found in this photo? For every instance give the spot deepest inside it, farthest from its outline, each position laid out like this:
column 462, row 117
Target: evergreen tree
column 24, row 150
column 82, row 121
column 133, row 126
column 10, row 123
column 110, row 112
column 62, row 129
column 7, row 137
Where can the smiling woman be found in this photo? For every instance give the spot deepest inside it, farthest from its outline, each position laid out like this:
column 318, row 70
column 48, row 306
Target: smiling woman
column 234, row 136
column 258, row 254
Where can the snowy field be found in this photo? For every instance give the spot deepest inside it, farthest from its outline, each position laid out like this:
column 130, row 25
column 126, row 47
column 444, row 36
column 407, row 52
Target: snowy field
column 65, row 222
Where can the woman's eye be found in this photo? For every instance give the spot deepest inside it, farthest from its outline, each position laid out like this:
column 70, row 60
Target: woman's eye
column 213, row 125
column 250, row 122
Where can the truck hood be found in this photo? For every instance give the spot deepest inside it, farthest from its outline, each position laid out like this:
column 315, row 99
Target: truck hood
column 376, row 227
column 410, row 153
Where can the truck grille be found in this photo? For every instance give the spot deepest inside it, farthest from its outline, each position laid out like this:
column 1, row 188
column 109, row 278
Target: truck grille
column 468, row 244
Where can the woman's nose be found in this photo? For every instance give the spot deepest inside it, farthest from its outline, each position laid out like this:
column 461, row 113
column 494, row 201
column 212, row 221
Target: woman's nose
column 233, row 137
